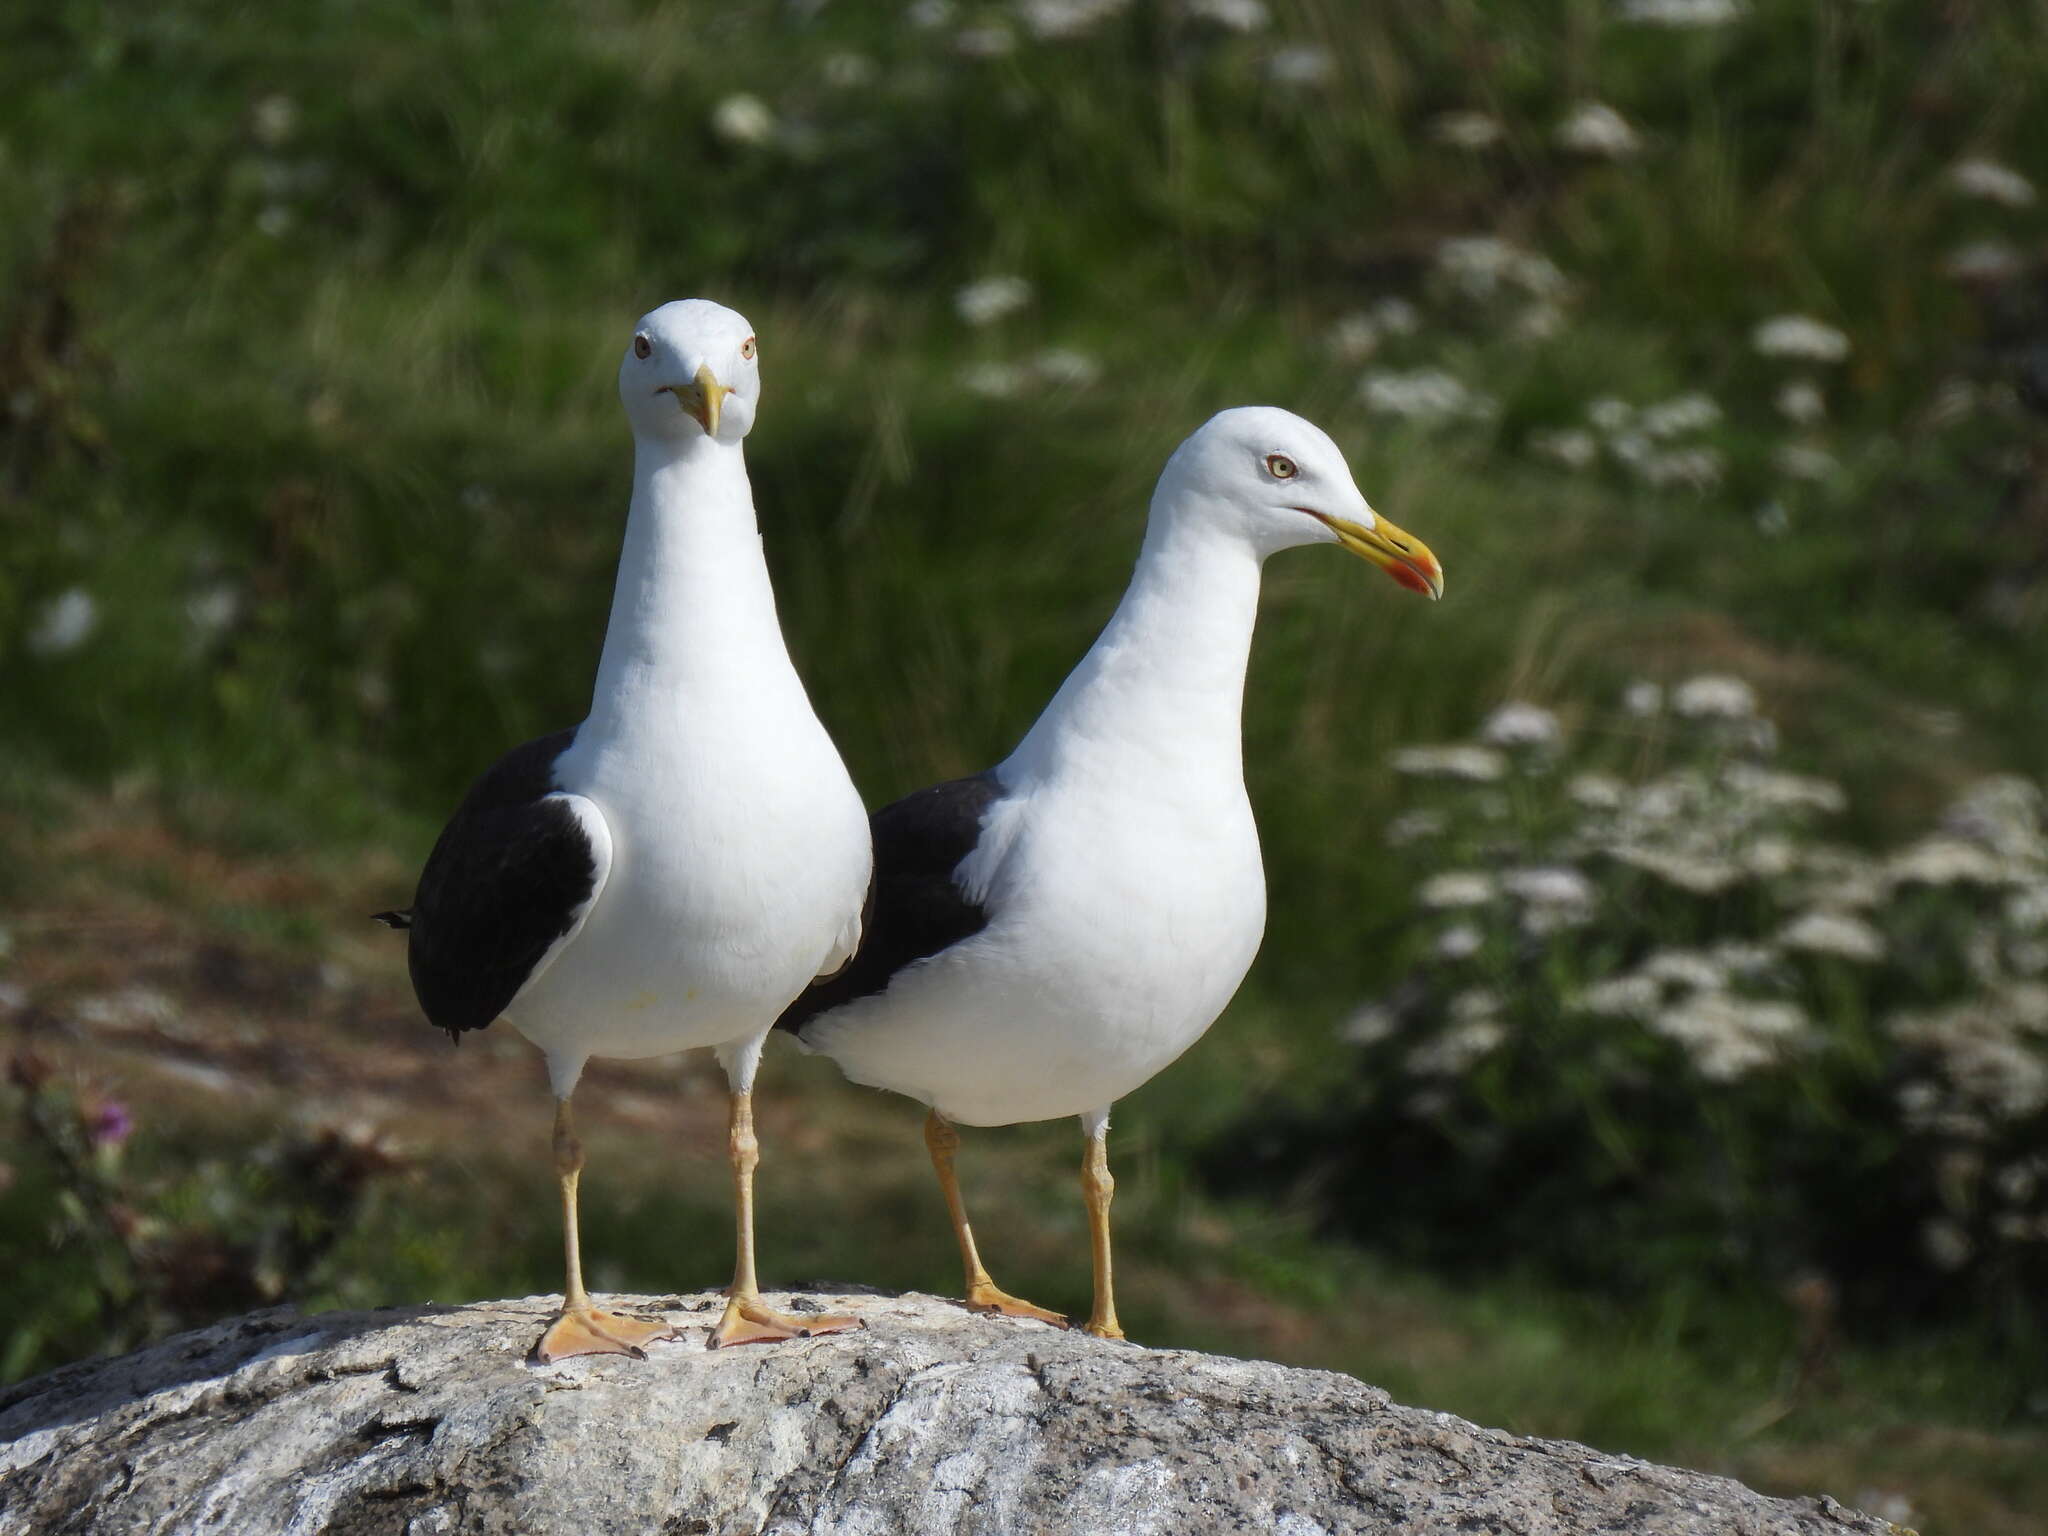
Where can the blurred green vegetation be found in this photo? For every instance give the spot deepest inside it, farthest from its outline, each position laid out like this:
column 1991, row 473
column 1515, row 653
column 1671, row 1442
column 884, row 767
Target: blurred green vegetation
column 312, row 479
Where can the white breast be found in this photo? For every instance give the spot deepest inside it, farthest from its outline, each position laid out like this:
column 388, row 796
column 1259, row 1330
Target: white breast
column 1121, row 931
column 736, row 871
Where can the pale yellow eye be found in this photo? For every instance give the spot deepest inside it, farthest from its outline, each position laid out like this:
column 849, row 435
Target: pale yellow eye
column 1280, row 467
column 747, row 349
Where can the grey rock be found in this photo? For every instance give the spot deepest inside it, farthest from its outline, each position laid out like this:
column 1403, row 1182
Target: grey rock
column 429, row 1420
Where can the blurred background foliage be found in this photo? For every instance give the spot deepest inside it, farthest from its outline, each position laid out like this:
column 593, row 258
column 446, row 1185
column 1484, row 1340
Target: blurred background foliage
column 1698, row 337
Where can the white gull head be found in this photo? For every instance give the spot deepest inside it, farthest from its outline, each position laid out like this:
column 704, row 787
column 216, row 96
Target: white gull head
column 692, row 370
column 1273, row 480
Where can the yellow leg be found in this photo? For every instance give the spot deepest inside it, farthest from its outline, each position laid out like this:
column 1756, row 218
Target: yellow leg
column 1097, row 1188
column 747, row 1319
column 942, row 1141
column 579, row 1328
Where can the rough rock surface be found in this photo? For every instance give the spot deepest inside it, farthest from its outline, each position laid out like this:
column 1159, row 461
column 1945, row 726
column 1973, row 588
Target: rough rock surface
column 427, row 1420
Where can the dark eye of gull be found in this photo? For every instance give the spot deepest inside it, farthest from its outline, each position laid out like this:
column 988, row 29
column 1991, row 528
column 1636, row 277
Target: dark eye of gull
column 642, row 347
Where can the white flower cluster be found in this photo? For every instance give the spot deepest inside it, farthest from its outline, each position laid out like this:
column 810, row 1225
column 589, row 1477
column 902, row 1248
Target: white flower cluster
column 1056, row 19
column 1486, row 267
column 1358, row 335
column 1992, row 182
column 1594, row 129
column 1641, row 441
column 1426, row 396
column 1681, row 13
column 991, row 298
column 1046, row 372
column 1800, row 337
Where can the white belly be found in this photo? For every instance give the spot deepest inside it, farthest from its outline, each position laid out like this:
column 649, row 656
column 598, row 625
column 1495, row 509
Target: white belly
column 735, row 874
column 1116, row 943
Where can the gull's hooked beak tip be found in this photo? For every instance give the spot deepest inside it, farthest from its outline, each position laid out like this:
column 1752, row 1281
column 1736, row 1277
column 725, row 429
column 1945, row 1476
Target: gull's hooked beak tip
column 1394, row 550
column 701, row 399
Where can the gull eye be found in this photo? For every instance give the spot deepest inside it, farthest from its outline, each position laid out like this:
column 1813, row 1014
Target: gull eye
column 747, row 349
column 1281, row 467
column 642, row 347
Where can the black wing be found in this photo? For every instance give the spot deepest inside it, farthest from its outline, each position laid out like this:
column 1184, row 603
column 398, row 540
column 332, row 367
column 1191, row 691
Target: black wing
column 914, row 907
column 504, row 883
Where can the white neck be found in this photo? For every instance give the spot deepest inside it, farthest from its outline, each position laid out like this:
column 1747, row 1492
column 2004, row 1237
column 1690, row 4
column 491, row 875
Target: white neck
column 692, row 611
column 1164, row 684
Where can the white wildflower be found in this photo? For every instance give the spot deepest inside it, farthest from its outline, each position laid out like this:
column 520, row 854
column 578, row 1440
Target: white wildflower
column 1801, row 462
column 1800, row 336
column 1744, row 961
column 1631, row 449
column 1946, row 1244
column 1626, row 997
column 1680, row 415
column 1773, row 790
column 1688, row 968
column 993, row 381
column 1944, row 861
column 1474, row 765
column 1984, row 261
column 1834, row 933
column 1681, row 13
column 1712, row 696
column 1234, row 15
column 1425, row 395
column 1395, row 316
column 1992, row 182
column 991, row 298
column 1540, row 321
column 1609, row 414
column 1482, row 266
column 1415, row 827
column 1771, row 858
column 1594, row 128
column 2026, row 957
column 1065, row 368
column 273, row 120
column 1456, row 888
column 1642, row 699
column 743, row 119
column 1461, row 941
column 1476, row 1003
column 1596, row 791
column 64, row 623
column 1693, row 469
column 1368, row 1025
column 212, row 609
column 2026, row 909
column 1801, row 402
column 990, row 40
column 1516, row 724
column 1569, row 447
column 1549, row 885
column 1727, row 1037
column 1979, row 1048
column 2003, row 813
column 929, row 15
column 1466, row 129
column 1052, row 19
column 1300, row 64
column 1353, row 338
column 1474, row 1030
